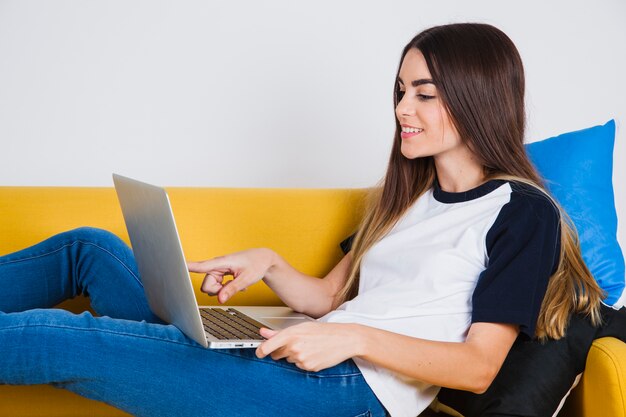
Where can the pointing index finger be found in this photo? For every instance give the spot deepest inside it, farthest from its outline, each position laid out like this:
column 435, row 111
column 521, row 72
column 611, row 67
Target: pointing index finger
column 208, row 265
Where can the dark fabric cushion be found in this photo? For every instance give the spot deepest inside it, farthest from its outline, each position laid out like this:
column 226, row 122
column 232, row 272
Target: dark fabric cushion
column 536, row 376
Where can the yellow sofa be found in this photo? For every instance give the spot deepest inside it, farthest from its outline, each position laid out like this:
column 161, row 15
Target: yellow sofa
column 303, row 225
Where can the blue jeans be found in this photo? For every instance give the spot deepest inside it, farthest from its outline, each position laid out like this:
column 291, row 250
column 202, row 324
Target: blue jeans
column 129, row 358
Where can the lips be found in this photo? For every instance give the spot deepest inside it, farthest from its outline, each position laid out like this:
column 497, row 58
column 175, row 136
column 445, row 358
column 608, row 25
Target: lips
column 409, row 131
column 408, row 135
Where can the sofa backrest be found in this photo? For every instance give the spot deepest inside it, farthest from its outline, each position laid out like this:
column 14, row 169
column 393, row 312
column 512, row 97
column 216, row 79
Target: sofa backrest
column 305, row 226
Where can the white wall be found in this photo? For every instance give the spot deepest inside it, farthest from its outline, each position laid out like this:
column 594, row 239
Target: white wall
column 265, row 93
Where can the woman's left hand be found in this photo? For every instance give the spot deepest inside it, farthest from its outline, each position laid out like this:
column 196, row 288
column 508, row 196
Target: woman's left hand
column 311, row 346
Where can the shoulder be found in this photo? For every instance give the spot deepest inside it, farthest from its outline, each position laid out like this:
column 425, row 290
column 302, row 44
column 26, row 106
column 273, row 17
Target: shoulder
column 527, row 207
column 529, row 217
column 526, row 197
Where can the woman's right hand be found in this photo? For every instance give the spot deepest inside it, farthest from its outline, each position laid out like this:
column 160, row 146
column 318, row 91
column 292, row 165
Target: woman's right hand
column 247, row 267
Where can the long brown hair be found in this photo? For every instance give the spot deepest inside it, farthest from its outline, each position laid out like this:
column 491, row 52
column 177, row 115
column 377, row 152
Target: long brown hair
column 479, row 76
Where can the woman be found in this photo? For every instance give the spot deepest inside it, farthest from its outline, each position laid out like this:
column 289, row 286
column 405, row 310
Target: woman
column 460, row 253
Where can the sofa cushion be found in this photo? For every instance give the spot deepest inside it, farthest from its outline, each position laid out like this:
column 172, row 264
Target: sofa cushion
column 578, row 168
column 536, row 376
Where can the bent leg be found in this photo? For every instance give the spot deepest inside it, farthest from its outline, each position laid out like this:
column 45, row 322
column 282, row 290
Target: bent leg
column 86, row 261
column 154, row 370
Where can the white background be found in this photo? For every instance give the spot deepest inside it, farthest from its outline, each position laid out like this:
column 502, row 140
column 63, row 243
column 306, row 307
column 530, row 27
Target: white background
column 266, row 93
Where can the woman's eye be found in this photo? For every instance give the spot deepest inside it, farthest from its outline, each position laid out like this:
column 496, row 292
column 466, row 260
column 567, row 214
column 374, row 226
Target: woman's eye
column 420, row 97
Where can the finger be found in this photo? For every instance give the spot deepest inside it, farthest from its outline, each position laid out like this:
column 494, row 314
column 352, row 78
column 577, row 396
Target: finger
column 267, row 333
column 259, row 351
column 195, row 266
column 301, row 366
column 231, row 288
column 279, row 354
column 211, row 284
column 270, row 345
column 206, row 266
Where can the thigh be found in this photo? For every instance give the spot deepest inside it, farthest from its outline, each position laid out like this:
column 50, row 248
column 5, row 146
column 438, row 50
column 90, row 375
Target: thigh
column 154, row 370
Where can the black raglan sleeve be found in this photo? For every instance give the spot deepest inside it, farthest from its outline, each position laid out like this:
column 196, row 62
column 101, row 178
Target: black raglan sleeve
column 346, row 244
column 523, row 248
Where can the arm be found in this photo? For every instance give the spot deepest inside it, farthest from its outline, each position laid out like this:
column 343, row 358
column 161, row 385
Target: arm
column 471, row 365
column 301, row 292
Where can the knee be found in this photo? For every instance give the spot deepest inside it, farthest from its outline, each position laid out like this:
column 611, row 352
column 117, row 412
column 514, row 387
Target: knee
column 94, row 235
column 98, row 243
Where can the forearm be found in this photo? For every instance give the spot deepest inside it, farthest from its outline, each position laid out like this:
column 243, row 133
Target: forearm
column 301, row 292
column 454, row 365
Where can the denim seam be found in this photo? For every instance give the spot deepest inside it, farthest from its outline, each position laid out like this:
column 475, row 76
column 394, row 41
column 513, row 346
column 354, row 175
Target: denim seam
column 65, row 245
column 103, row 331
column 114, row 257
column 296, row 370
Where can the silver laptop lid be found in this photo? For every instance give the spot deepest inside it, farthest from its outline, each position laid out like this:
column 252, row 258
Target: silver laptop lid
column 159, row 255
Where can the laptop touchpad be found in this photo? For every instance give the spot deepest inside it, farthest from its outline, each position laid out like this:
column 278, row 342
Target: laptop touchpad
column 282, row 322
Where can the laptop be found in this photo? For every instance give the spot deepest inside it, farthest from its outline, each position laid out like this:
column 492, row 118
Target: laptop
column 163, row 270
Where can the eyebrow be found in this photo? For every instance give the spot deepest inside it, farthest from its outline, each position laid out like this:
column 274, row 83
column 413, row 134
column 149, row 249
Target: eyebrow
column 416, row 83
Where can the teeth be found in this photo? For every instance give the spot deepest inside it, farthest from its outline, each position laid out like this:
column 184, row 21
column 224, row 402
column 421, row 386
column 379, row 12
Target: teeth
column 411, row 130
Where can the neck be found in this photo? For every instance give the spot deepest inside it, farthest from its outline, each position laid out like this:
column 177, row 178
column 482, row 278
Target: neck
column 458, row 173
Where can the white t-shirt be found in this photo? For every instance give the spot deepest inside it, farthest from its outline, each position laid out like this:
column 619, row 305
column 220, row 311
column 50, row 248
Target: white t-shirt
column 484, row 255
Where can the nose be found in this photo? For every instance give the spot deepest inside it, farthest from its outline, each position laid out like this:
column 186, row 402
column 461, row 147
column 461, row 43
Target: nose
column 404, row 108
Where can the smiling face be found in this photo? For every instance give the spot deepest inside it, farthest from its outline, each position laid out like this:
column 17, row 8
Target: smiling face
column 426, row 126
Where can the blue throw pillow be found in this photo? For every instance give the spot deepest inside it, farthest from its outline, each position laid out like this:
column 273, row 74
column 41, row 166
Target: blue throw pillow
column 578, row 169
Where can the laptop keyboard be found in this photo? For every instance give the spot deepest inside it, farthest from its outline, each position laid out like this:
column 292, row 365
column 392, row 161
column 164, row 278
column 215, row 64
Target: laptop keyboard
column 230, row 324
